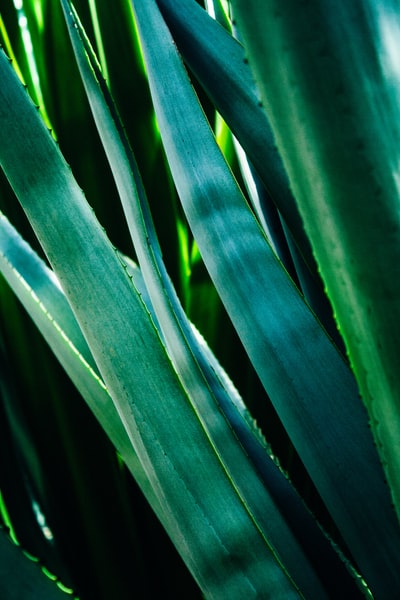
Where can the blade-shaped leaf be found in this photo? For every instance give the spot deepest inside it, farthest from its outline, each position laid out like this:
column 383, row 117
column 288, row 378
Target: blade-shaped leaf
column 333, row 100
column 181, row 343
column 208, row 520
column 313, row 390
column 37, row 288
column 39, row 291
column 22, row 578
column 219, row 62
column 198, row 375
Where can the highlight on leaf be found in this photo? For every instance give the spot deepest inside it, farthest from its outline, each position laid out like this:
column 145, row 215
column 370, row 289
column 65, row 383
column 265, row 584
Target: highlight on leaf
column 174, row 390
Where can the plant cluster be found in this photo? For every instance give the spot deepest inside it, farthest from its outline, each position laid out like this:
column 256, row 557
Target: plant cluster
column 199, row 298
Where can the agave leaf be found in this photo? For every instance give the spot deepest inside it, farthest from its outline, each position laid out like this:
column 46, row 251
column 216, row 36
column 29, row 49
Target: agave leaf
column 69, row 113
column 21, row 577
column 312, row 389
column 45, row 412
column 337, row 85
column 196, row 371
column 37, row 288
column 183, row 345
column 219, row 62
column 132, row 96
column 207, row 518
column 23, row 261
column 39, row 291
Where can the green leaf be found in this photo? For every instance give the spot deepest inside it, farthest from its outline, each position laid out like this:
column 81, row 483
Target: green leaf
column 204, row 381
column 79, row 483
column 312, row 389
column 207, row 518
column 127, row 518
column 38, row 289
column 35, row 285
column 193, row 367
column 69, row 113
column 220, row 64
column 332, row 97
column 22, row 578
column 132, row 97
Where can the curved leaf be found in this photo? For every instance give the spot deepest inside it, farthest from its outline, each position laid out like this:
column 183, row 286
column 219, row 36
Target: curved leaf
column 39, row 291
column 22, row 578
column 313, row 390
column 206, row 517
column 220, row 64
column 37, row 288
column 332, row 97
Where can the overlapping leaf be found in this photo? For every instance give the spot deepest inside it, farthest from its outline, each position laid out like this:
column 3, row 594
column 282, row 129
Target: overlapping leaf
column 176, row 454
column 313, row 390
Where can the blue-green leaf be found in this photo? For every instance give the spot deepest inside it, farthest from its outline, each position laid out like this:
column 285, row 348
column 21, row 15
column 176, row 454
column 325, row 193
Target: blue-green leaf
column 22, row 577
column 220, row 64
column 311, row 387
column 201, row 377
column 333, row 100
column 39, row 291
column 206, row 515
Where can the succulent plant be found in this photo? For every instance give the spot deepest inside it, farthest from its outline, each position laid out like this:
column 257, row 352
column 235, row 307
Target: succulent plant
column 199, row 217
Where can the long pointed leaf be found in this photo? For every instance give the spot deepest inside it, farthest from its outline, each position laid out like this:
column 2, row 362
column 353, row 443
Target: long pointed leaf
column 207, row 519
column 313, row 390
column 219, row 62
column 182, row 345
column 36, row 287
column 337, row 85
column 198, row 376
column 22, row 578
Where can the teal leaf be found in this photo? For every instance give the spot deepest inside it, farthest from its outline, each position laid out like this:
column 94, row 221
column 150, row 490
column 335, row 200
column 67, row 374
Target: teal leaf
column 206, row 516
column 22, row 577
column 311, row 387
column 332, row 97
